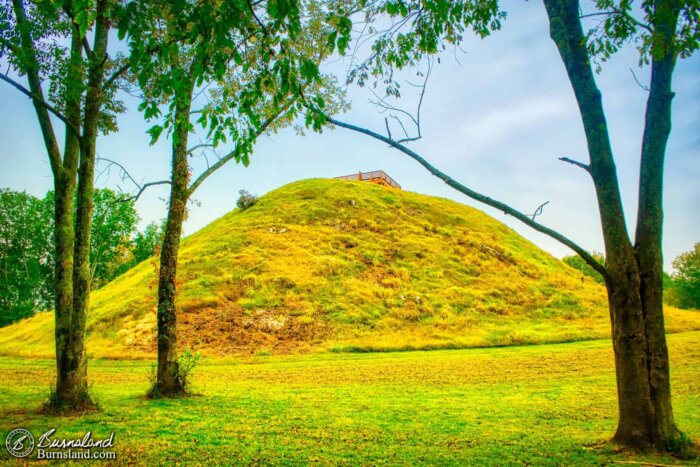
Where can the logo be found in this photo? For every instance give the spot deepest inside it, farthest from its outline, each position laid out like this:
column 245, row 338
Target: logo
column 19, row 442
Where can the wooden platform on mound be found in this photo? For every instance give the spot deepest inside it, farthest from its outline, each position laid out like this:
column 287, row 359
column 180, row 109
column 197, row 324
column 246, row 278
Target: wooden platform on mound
column 377, row 176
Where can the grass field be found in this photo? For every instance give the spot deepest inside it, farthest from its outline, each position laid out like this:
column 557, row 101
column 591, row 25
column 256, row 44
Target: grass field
column 541, row 405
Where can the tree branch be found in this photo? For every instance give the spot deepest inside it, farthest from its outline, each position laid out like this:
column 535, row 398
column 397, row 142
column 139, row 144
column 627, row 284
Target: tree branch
column 143, row 188
column 31, row 68
column 115, row 76
column 539, row 210
column 646, row 88
column 252, row 10
column 127, row 175
column 524, row 218
column 231, row 155
column 41, row 102
column 585, row 167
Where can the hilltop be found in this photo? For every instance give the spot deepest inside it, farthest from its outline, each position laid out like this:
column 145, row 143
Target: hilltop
column 337, row 265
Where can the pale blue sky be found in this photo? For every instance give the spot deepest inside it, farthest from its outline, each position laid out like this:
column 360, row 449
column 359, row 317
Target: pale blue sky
column 497, row 122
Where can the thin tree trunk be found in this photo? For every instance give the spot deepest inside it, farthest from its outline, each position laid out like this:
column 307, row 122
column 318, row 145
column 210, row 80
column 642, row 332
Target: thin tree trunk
column 168, row 380
column 71, row 372
column 84, row 208
column 64, row 172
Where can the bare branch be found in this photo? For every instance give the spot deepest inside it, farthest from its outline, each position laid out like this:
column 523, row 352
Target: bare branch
column 539, row 210
column 395, row 111
column 524, row 218
column 646, row 88
column 143, row 188
column 617, row 11
column 199, row 146
column 126, row 175
column 585, row 167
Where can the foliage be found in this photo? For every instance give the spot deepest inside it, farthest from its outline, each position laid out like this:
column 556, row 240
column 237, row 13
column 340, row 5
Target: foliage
column 578, row 263
column 113, row 226
column 51, row 25
column 619, row 22
column 251, row 60
column 26, row 232
column 146, row 243
column 26, row 262
column 246, row 200
column 187, row 363
column 684, row 285
column 500, row 406
column 419, row 29
column 337, row 265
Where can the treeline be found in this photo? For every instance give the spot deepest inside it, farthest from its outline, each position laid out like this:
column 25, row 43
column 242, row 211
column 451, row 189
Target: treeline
column 681, row 287
column 27, row 248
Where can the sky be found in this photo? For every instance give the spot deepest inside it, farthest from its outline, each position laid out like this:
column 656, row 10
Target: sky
column 496, row 116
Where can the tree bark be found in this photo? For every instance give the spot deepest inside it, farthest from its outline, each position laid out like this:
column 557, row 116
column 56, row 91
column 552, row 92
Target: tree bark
column 168, row 379
column 71, row 368
column 84, row 207
column 649, row 233
column 633, row 272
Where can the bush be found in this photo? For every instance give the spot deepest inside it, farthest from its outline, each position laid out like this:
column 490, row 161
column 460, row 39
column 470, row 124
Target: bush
column 682, row 289
column 246, row 200
column 580, row 264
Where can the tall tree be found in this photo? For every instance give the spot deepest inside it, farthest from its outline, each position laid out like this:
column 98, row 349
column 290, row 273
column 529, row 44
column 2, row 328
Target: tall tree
column 26, row 266
column 252, row 61
column 49, row 43
column 664, row 30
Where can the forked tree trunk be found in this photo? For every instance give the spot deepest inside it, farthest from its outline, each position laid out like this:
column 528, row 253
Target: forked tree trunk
column 168, row 380
column 72, row 235
column 633, row 273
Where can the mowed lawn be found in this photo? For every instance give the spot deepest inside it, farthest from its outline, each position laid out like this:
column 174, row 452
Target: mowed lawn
column 542, row 405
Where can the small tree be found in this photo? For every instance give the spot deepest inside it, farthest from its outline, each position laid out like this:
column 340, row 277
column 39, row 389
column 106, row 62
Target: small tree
column 246, row 200
column 254, row 61
column 686, row 280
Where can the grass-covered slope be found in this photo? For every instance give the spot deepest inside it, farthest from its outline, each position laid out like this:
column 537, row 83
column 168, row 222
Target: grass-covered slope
column 339, row 265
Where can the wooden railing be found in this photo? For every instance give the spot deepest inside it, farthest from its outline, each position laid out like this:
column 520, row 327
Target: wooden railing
column 378, row 176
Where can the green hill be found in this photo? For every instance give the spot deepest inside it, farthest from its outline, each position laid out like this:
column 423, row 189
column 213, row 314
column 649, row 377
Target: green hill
column 338, row 265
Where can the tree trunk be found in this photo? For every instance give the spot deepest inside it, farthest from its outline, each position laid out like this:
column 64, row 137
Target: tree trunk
column 629, row 344
column 634, row 273
column 71, row 366
column 168, row 379
column 70, row 380
column 650, row 217
column 84, row 207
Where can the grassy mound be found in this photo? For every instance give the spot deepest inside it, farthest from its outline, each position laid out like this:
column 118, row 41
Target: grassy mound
column 346, row 266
